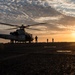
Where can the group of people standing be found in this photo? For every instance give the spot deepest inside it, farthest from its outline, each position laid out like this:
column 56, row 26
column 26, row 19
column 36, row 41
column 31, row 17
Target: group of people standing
column 36, row 39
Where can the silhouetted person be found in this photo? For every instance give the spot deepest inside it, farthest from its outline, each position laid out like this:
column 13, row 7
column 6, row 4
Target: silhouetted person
column 52, row 39
column 47, row 40
column 36, row 39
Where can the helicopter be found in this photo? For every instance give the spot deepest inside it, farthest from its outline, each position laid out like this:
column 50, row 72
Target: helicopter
column 20, row 35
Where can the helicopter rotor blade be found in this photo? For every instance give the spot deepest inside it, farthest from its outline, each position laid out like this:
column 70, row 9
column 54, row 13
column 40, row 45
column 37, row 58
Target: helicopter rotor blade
column 35, row 24
column 22, row 26
column 11, row 29
column 33, row 29
column 8, row 24
column 38, row 24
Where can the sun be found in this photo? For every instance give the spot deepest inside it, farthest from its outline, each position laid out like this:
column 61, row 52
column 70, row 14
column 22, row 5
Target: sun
column 73, row 34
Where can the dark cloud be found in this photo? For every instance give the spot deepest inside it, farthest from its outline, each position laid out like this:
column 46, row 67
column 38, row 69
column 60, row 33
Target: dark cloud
column 67, row 21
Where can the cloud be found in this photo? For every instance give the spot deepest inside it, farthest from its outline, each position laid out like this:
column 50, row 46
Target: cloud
column 57, row 13
column 66, row 7
column 67, row 21
column 44, row 19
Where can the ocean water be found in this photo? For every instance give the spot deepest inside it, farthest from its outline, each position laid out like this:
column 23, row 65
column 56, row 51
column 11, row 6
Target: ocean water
column 39, row 64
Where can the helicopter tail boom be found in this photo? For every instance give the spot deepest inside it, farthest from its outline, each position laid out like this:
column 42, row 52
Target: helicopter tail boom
column 11, row 37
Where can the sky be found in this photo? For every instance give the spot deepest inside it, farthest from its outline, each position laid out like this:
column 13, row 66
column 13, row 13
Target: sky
column 59, row 16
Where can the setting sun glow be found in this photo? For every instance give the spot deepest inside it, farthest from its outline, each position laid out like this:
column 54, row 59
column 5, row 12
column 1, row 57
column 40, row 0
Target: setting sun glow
column 73, row 34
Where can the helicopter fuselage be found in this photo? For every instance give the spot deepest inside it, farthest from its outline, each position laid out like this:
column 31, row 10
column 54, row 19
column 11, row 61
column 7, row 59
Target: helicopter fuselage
column 17, row 38
column 19, row 35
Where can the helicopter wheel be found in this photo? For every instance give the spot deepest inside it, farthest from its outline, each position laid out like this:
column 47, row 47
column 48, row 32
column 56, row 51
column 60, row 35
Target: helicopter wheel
column 15, row 41
column 29, row 41
column 11, row 41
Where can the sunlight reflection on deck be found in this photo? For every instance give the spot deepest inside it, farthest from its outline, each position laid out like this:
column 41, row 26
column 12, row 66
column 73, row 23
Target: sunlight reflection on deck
column 64, row 51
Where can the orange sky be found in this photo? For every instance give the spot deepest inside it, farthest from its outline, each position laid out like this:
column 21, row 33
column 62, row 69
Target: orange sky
column 57, row 38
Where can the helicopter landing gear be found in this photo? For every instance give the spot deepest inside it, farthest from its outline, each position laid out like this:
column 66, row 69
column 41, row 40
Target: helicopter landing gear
column 29, row 41
column 14, row 41
column 11, row 41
